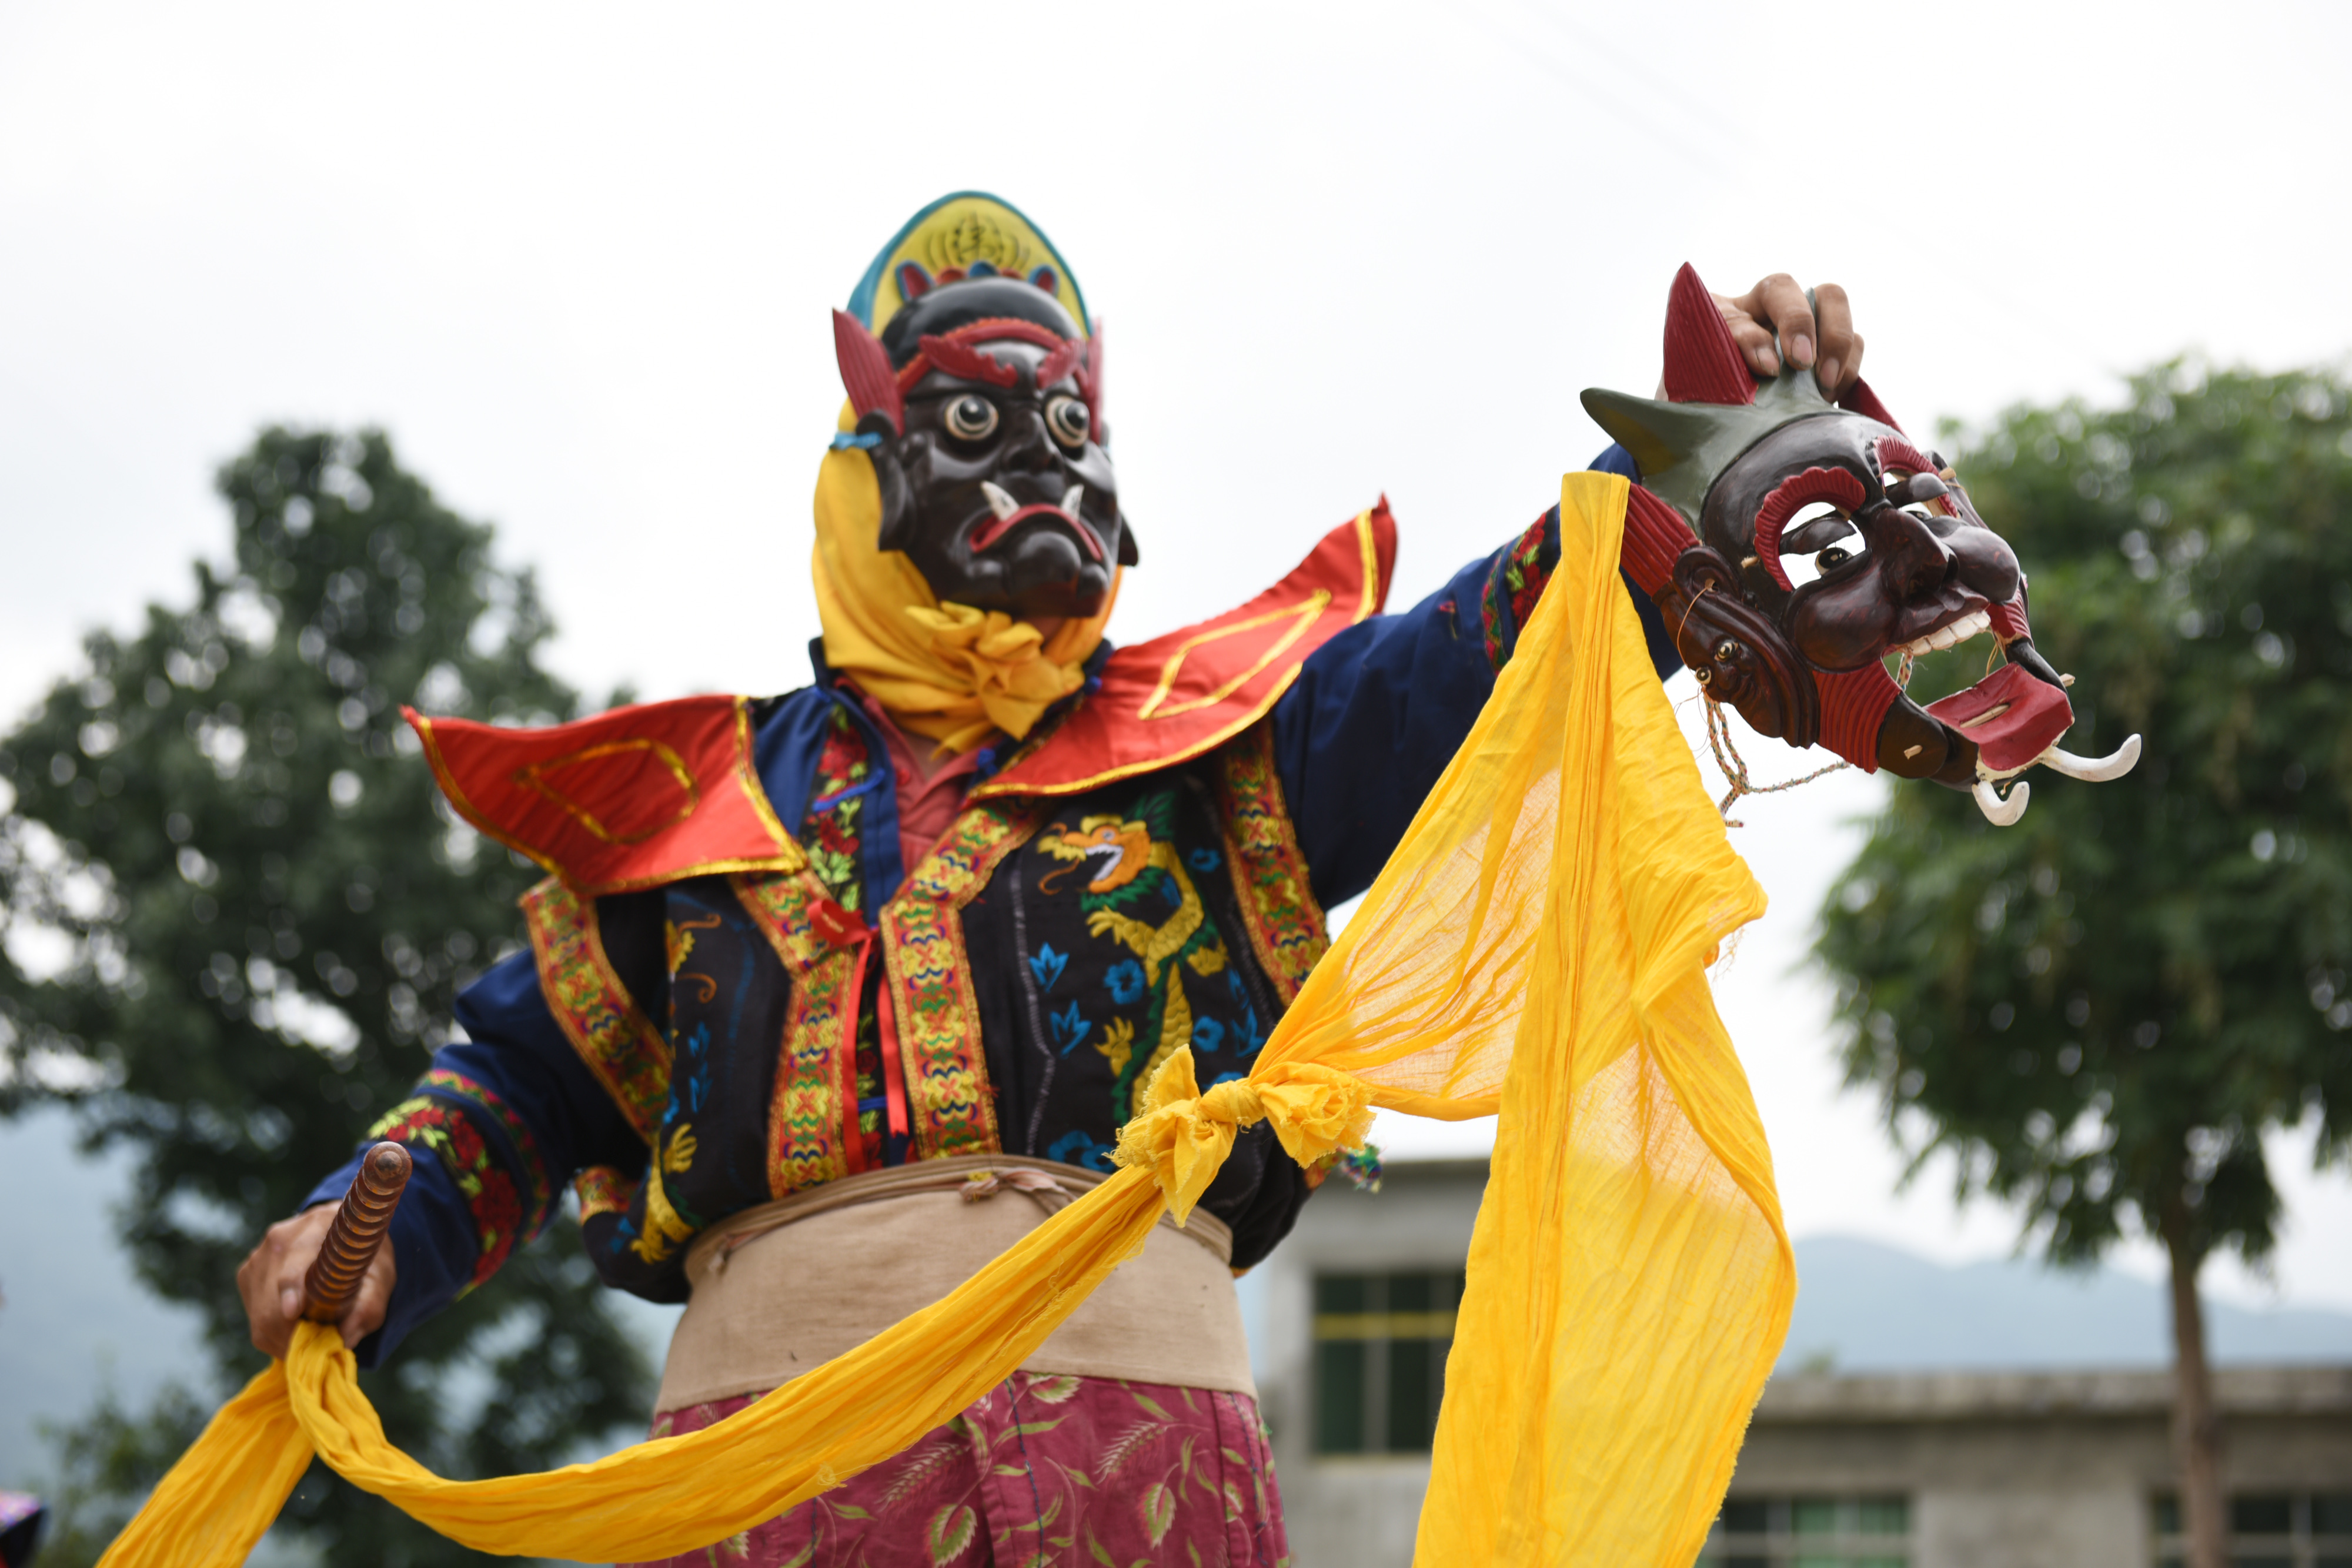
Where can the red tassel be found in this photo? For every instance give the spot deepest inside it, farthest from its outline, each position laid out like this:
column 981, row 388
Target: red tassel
column 866, row 372
column 1654, row 535
column 1703, row 363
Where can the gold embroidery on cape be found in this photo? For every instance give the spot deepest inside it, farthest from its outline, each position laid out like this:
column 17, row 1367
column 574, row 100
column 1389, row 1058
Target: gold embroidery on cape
column 949, row 1103
column 1286, row 927
column 814, row 1097
column 534, row 777
column 1301, row 616
column 617, row 1042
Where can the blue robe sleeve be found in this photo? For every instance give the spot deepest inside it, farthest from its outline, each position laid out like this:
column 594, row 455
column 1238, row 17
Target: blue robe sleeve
column 1378, row 711
column 503, row 1119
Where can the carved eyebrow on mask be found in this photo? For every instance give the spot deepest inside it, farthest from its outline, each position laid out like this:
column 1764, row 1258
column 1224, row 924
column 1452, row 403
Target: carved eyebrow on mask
column 1898, row 455
column 1835, row 485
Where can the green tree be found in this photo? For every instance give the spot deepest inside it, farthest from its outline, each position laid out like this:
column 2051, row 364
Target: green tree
column 2101, row 1011
column 253, row 915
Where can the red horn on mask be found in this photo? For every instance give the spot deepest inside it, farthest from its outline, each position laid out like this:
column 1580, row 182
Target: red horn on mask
column 866, row 373
column 1703, row 363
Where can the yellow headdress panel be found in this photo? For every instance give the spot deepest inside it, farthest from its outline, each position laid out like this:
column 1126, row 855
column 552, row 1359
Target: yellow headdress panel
column 972, row 231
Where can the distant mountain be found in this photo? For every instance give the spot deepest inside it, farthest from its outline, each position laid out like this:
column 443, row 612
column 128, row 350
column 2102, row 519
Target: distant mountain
column 1870, row 1307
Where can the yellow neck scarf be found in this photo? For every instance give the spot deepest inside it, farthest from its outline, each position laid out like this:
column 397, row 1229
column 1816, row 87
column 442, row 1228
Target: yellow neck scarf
column 948, row 672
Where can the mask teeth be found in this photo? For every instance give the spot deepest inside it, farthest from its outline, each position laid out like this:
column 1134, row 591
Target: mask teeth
column 1072, row 500
column 1002, row 505
column 1951, row 636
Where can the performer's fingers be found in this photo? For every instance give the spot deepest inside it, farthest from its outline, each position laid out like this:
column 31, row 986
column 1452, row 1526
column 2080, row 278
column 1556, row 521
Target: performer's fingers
column 1841, row 364
column 1781, row 301
column 1753, row 338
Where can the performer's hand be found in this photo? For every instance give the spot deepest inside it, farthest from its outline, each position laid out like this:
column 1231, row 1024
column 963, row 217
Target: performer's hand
column 270, row 1281
column 1827, row 343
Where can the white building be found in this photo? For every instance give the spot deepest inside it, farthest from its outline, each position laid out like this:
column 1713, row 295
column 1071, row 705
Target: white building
column 2068, row 1469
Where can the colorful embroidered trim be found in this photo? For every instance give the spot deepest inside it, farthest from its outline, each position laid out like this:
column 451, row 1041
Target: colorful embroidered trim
column 457, row 1086
column 428, row 1121
column 1287, row 928
column 621, row 1047
column 952, row 1107
column 602, row 1190
column 1515, row 584
column 830, row 832
column 812, row 1117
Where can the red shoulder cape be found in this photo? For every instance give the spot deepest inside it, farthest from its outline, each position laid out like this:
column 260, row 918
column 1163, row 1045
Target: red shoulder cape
column 659, row 791
column 1193, row 690
column 628, row 798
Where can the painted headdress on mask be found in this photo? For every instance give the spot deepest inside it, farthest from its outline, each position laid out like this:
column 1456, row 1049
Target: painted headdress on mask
column 1793, row 545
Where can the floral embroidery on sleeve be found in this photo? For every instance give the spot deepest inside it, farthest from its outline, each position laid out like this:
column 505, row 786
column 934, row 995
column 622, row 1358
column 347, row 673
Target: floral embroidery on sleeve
column 442, row 1117
column 1515, row 584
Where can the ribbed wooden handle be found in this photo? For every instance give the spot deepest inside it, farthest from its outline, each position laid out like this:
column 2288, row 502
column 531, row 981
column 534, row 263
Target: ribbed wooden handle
column 358, row 1230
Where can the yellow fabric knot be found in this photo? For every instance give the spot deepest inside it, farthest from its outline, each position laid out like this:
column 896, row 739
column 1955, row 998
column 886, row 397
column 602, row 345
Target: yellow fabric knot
column 1002, row 660
column 1183, row 1136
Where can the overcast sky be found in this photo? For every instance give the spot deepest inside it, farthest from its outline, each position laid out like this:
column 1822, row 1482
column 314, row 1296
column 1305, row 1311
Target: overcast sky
column 577, row 260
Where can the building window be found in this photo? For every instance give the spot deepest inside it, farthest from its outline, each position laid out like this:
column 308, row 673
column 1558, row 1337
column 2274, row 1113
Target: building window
column 1811, row 1532
column 2267, row 1529
column 1380, row 1359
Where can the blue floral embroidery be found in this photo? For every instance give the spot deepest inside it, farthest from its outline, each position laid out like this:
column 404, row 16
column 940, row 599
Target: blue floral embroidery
column 1208, row 1034
column 1125, row 979
column 1048, row 965
column 1250, row 1031
column 1074, row 1148
column 1204, row 860
column 1068, row 1028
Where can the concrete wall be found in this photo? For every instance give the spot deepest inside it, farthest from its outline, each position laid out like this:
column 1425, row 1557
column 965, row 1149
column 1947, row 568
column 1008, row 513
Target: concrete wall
column 2002, row 1470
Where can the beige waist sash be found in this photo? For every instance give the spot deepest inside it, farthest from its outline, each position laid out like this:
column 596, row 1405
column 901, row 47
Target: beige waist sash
column 784, row 1288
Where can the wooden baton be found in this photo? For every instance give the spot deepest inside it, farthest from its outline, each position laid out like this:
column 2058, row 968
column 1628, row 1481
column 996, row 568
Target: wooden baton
column 352, row 1241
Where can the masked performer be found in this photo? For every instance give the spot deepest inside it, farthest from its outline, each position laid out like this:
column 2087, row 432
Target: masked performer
column 832, row 996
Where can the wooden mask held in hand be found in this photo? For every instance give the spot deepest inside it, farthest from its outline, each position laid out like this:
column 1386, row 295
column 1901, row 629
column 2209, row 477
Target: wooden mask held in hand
column 1794, row 545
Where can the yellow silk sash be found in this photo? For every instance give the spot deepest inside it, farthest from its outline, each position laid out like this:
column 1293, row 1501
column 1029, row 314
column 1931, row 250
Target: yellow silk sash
column 1536, row 945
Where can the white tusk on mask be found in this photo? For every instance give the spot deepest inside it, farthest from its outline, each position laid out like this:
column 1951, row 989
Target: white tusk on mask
column 1002, row 505
column 2096, row 770
column 2001, row 813
column 1072, row 500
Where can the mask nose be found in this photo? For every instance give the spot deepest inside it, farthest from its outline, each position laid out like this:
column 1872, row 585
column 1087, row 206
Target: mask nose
column 1028, row 448
column 1911, row 559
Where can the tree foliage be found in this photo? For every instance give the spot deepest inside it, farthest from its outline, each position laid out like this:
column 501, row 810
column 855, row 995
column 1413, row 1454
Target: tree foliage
column 238, row 914
column 2101, row 1009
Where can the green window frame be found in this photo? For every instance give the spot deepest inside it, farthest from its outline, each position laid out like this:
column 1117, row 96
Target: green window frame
column 1811, row 1531
column 2282, row 1529
column 1381, row 1343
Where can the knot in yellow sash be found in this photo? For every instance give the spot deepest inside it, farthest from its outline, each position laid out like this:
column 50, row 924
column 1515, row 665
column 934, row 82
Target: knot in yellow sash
column 1183, row 1135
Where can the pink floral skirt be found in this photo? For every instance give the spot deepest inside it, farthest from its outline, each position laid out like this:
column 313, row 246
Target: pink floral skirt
column 1044, row 1472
